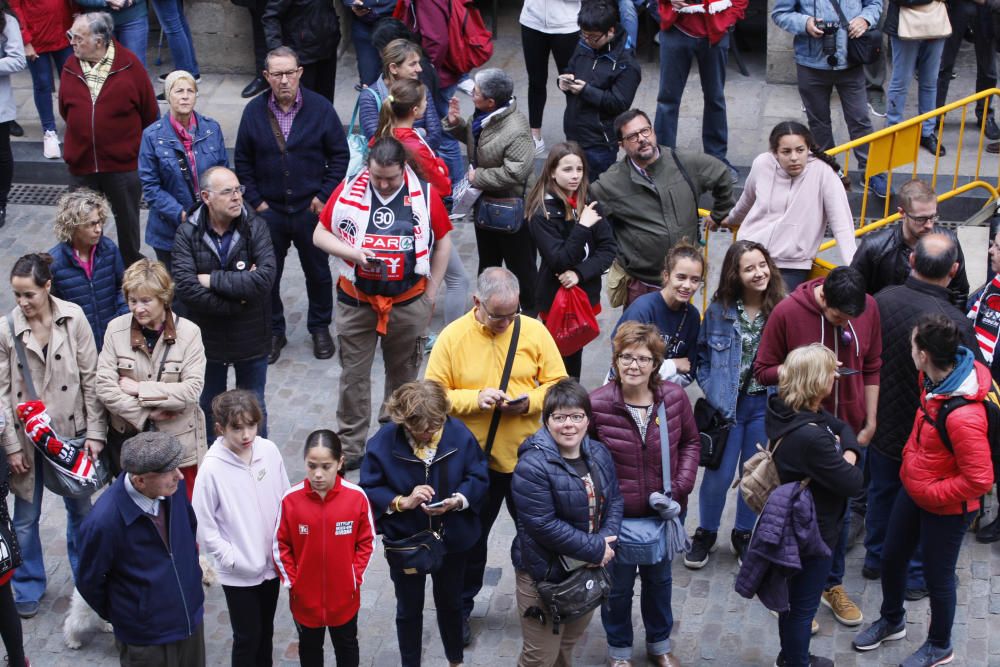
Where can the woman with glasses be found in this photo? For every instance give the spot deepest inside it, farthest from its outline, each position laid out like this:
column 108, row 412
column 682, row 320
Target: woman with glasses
column 569, row 511
column 174, row 152
column 425, row 470
column 625, row 419
column 793, row 193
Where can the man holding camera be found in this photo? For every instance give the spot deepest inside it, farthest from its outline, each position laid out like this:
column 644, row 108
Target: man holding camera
column 821, row 61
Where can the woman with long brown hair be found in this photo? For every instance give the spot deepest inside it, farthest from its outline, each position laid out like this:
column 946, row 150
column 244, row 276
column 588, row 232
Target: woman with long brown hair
column 405, row 105
column 575, row 242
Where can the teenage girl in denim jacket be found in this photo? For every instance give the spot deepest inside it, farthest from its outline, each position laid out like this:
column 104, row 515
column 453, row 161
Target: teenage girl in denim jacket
column 749, row 288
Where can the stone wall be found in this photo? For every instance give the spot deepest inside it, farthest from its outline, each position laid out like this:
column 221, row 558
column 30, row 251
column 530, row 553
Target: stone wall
column 780, row 60
column 222, row 36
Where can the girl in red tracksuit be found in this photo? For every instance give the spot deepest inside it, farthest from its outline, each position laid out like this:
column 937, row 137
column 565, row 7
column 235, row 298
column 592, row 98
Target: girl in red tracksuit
column 407, row 103
column 322, row 545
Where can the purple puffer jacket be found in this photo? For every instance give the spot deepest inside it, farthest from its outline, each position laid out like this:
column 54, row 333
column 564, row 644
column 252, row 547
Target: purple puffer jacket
column 785, row 535
column 639, row 464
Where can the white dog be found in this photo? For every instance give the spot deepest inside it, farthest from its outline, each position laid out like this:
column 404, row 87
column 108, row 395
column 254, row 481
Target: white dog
column 81, row 622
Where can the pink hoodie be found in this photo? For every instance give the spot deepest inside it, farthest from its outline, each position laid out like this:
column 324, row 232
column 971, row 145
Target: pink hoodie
column 788, row 216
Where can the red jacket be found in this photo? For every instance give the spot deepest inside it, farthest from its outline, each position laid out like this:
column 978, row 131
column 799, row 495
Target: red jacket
column 44, row 22
column 638, row 464
column 798, row 321
column 321, row 549
column 104, row 136
column 429, row 166
column 944, row 482
column 712, row 18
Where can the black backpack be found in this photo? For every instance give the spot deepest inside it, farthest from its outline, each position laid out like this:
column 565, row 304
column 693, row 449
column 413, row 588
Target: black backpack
column 991, row 402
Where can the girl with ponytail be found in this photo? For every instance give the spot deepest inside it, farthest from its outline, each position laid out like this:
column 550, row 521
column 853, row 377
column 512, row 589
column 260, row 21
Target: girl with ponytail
column 793, row 193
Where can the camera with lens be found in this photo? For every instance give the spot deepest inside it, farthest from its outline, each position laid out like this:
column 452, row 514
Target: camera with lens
column 829, row 29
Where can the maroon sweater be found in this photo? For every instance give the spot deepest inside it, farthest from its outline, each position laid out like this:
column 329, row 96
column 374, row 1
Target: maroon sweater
column 104, row 136
column 638, row 463
column 798, row 321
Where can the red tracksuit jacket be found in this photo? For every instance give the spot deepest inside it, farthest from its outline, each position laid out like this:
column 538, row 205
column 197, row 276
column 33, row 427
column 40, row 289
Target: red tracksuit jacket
column 321, row 550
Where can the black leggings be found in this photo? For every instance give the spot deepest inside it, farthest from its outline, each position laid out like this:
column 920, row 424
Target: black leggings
column 6, row 163
column 537, row 46
column 10, row 622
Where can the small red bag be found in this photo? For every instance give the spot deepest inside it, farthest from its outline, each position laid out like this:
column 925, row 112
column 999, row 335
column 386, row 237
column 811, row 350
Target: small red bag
column 571, row 320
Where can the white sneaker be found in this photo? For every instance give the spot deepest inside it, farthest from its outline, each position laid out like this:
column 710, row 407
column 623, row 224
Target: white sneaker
column 539, row 147
column 466, row 86
column 50, row 145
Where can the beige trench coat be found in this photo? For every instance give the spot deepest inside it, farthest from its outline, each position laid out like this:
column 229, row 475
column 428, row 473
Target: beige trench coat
column 64, row 379
column 177, row 387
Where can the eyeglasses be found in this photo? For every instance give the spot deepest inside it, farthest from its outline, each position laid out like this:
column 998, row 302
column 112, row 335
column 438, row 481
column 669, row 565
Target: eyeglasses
column 628, row 359
column 924, row 219
column 290, row 74
column 229, row 192
column 501, row 318
column 634, row 137
column 591, row 37
column 74, row 38
column 576, row 418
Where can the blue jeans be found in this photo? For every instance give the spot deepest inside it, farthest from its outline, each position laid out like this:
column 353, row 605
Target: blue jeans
column 940, row 535
column 836, row 577
column 134, row 36
column 170, row 14
column 657, row 616
column 251, row 375
column 677, row 51
column 29, row 577
column 599, row 159
column 450, row 149
column 795, row 625
column 909, row 57
column 42, row 80
column 883, row 487
column 369, row 59
column 740, row 446
column 628, row 11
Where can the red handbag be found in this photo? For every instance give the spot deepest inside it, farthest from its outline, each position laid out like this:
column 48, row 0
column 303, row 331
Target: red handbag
column 571, row 320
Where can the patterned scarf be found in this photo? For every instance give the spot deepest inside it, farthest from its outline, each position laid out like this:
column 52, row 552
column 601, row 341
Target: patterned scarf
column 188, row 142
column 986, row 315
column 95, row 74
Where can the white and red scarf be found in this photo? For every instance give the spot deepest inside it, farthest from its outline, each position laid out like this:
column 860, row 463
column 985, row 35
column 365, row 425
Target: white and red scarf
column 352, row 212
column 986, row 315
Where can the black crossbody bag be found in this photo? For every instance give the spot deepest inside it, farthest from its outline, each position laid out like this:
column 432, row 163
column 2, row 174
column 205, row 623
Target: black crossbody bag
column 865, row 49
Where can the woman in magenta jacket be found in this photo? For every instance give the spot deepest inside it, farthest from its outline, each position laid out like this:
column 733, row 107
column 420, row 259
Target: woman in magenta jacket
column 625, row 420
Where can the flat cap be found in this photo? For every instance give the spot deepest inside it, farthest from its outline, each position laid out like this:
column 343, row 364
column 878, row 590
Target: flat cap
column 151, row 451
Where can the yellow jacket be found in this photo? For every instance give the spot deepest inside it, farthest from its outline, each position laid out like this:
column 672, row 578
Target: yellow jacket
column 468, row 357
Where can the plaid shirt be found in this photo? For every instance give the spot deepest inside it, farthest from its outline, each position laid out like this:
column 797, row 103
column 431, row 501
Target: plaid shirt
column 96, row 74
column 285, row 118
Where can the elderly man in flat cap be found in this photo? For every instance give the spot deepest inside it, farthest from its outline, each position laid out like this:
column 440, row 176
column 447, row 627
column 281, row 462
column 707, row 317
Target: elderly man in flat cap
column 138, row 560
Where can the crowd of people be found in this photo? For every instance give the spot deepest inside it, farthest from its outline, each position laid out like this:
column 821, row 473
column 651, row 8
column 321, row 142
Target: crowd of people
column 117, row 362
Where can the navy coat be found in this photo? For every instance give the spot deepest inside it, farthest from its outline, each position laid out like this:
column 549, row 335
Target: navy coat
column 100, row 296
column 390, row 469
column 553, row 516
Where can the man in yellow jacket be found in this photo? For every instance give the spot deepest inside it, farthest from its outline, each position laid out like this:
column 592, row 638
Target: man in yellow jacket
column 468, row 359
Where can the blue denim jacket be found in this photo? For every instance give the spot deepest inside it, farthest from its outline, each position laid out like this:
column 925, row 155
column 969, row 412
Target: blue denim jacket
column 166, row 189
column 791, row 16
column 719, row 353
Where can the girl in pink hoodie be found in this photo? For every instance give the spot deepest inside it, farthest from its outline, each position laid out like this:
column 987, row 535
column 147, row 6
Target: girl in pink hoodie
column 792, row 194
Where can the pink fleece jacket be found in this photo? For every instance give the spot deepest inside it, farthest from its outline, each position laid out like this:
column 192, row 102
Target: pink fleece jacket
column 789, row 216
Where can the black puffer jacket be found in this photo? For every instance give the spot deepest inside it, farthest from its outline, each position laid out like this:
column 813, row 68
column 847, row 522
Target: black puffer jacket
column 901, row 306
column 310, row 27
column 235, row 313
column 884, row 259
column 612, row 77
column 564, row 245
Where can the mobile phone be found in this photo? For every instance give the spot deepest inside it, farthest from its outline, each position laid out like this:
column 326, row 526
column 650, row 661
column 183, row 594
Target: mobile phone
column 847, row 371
column 431, row 506
column 517, row 401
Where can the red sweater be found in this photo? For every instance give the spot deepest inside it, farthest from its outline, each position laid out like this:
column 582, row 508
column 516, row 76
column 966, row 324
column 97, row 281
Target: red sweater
column 104, row 136
column 712, row 19
column 44, row 22
column 321, row 549
column 798, row 321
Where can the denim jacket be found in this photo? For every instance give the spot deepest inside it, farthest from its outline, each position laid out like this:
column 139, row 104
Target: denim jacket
column 720, row 350
column 167, row 189
column 791, row 16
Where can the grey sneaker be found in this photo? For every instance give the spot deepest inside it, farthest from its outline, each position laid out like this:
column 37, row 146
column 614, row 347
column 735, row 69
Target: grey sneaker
column 929, row 656
column 880, row 631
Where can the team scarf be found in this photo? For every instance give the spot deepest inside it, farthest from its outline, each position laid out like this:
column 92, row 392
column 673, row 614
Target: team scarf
column 986, row 315
column 352, row 212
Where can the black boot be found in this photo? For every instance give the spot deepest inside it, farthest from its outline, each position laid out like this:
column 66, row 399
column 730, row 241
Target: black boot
column 990, row 532
column 3, row 216
column 15, row 129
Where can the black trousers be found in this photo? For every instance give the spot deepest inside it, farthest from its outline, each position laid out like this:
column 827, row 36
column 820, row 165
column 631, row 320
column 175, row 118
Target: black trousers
column 517, row 251
column 297, row 228
column 321, row 76
column 447, row 588
column 123, row 190
column 251, row 613
column 6, row 163
column 815, row 88
column 259, row 39
column 10, row 627
column 475, row 566
column 345, row 644
column 189, row 652
column 537, row 46
column 962, row 14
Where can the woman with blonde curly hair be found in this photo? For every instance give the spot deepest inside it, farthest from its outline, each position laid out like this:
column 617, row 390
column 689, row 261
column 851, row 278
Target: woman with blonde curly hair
column 87, row 267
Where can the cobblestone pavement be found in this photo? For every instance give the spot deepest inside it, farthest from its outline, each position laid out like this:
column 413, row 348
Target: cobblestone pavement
column 713, row 626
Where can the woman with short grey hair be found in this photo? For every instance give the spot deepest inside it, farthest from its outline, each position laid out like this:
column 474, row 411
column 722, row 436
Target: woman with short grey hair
column 501, row 166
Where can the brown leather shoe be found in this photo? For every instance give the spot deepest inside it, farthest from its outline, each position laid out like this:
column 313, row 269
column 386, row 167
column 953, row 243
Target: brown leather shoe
column 993, row 147
column 665, row 660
